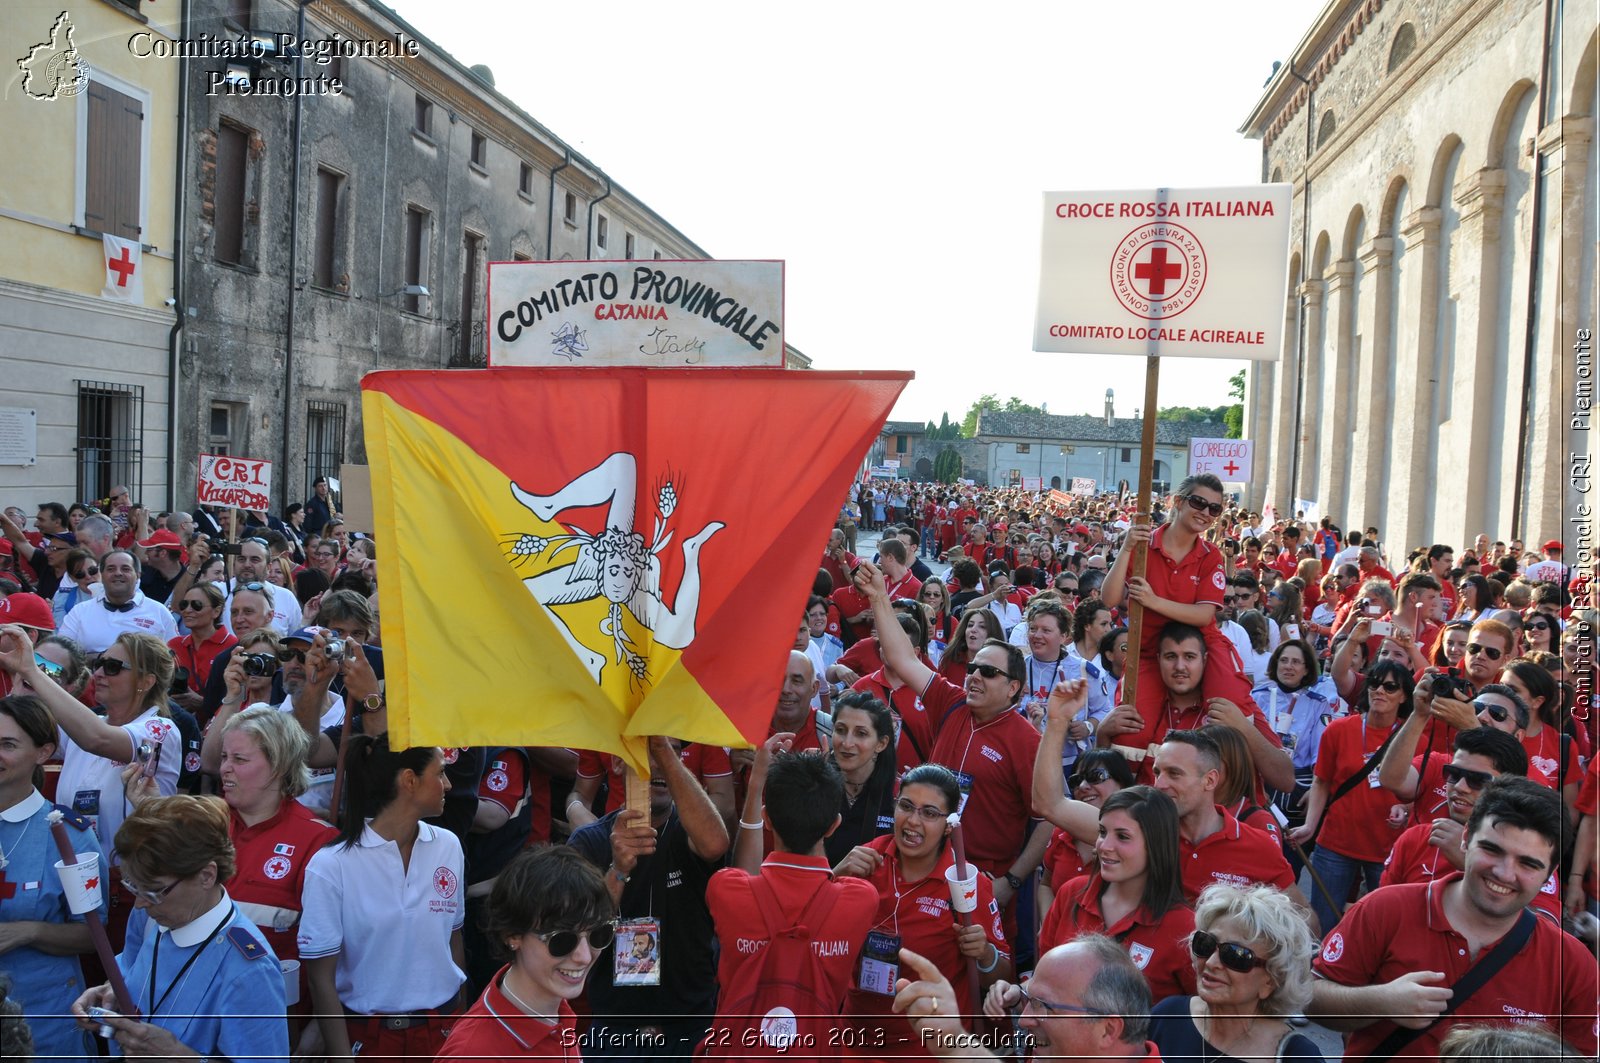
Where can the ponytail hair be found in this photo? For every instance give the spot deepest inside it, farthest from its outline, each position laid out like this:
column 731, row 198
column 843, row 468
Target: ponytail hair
column 371, row 776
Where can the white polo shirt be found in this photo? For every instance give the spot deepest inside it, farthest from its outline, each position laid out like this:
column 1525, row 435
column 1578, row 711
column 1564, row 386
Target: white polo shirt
column 285, row 610
column 92, row 785
column 389, row 924
column 95, row 625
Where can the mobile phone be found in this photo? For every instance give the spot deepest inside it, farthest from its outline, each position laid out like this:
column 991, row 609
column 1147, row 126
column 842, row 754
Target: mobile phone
column 102, row 1014
column 1382, row 627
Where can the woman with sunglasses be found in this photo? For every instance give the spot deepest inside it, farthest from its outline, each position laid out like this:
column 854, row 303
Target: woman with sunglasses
column 1473, row 597
column 551, row 917
column 44, row 939
column 383, row 908
column 1552, row 754
column 908, row 869
column 200, row 608
column 977, row 626
column 204, row 979
column 1355, row 832
column 65, row 662
column 1097, row 775
column 81, row 585
column 1251, row 955
column 130, row 682
column 1540, row 631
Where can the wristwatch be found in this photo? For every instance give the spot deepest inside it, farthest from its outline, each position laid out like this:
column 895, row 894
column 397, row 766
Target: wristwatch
column 1013, row 881
column 620, row 877
column 372, row 703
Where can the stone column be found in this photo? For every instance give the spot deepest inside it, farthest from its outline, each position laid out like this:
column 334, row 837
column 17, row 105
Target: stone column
column 1371, row 452
column 1309, row 481
column 1411, row 482
column 1260, row 415
column 1330, row 413
column 1274, row 451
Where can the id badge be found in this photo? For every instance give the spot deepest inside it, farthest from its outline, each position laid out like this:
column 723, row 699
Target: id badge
column 880, row 963
column 636, row 959
column 1372, row 779
column 964, row 781
column 86, row 802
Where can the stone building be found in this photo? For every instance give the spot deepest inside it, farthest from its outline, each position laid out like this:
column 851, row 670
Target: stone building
column 1442, row 265
column 414, row 176
column 1058, row 449
column 90, row 135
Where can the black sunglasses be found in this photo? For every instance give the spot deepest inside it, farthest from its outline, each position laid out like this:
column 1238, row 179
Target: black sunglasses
column 1198, row 502
column 988, row 671
column 1092, row 777
column 1475, row 780
column 1535, row 627
column 1488, row 651
column 1390, row 687
column 109, row 665
column 562, row 942
column 189, row 605
column 285, row 654
column 1234, row 956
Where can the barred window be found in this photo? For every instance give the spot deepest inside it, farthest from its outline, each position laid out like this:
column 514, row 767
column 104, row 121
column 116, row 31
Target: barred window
column 110, row 438
column 324, row 440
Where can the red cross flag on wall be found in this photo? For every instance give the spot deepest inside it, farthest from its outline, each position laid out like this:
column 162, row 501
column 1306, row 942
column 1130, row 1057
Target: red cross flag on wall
column 124, row 270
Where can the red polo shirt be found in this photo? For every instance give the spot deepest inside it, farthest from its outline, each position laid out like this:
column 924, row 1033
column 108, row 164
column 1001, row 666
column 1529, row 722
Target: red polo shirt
column 495, row 1028
column 1401, row 929
column 1544, row 758
column 994, row 762
column 197, row 657
column 1415, row 859
column 919, row 914
column 1157, row 724
column 704, row 762
column 1062, row 861
column 269, row 875
column 1236, row 854
column 1198, row 578
column 1357, row 825
column 795, row 879
column 1158, row 947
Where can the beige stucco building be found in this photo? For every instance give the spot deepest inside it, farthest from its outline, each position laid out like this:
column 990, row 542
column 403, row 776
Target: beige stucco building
column 1442, row 269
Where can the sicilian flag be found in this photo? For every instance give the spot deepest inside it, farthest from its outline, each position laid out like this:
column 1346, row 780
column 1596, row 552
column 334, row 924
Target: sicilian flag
column 587, row 557
column 124, row 269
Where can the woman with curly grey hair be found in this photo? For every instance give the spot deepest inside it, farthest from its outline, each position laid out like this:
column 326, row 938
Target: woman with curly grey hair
column 1252, row 955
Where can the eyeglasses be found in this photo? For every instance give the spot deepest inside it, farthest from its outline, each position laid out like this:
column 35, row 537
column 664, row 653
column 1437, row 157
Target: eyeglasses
column 258, row 540
column 562, row 942
column 151, row 896
column 1389, row 687
column 926, row 812
column 1198, row 502
column 988, row 671
column 189, row 605
column 1030, row 999
column 1092, row 777
column 259, row 587
column 89, row 570
column 1234, row 956
column 285, row 654
column 110, row 666
column 49, row 668
column 1535, row 627
column 1488, row 651
column 1475, row 780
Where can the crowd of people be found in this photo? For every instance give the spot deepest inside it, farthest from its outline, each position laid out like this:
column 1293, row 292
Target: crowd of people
column 1332, row 781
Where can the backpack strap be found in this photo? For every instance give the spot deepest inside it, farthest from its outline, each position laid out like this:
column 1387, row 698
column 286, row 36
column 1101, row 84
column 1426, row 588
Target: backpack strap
column 1475, row 979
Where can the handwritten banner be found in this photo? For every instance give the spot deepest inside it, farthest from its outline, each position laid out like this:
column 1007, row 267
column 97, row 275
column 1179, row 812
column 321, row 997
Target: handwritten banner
column 664, row 312
column 1082, row 485
column 243, row 483
column 1230, row 460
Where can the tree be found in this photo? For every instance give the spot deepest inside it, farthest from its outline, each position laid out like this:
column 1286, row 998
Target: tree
column 947, row 466
column 969, row 424
column 946, row 429
column 1233, row 416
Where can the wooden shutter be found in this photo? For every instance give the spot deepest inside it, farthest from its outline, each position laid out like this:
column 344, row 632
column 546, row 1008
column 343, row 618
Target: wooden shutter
column 228, row 240
column 327, row 227
column 114, row 143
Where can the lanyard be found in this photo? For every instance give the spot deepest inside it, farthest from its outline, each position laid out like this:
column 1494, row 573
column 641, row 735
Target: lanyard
column 1033, row 688
column 155, row 959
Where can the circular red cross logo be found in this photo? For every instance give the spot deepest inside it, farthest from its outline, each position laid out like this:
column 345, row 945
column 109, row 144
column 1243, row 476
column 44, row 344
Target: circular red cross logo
column 444, row 882
column 1158, row 270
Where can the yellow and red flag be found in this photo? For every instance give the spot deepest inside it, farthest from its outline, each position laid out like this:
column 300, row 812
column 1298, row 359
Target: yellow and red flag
column 586, row 557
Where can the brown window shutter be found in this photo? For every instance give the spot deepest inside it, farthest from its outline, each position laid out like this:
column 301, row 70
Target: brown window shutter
column 327, row 227
column 111, row 170
column 228, row 240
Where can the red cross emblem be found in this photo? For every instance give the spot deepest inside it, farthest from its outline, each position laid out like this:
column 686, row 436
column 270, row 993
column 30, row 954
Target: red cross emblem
column 1158, row 271
column 1230, row 468
column 444, row 882
column 123, row 267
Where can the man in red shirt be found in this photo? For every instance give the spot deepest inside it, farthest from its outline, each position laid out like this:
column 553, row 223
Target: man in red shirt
column 1213, row 846
column 1394, row 957
column 1371, row 565
column 802, row 795
column 1288, row 558
column 837, row 561
column 895, row 560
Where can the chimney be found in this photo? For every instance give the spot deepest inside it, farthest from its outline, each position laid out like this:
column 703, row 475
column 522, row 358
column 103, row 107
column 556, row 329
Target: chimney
column 1110, row 415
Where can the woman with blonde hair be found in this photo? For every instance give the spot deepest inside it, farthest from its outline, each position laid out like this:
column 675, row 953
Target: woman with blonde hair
column 203, row 978
column 1252, row 958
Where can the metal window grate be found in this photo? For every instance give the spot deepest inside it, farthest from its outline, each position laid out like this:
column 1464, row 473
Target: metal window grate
column 110, row 438
column 324, row 440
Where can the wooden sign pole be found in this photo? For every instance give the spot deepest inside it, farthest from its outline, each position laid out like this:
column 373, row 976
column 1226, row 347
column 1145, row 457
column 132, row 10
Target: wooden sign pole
column 1137, row 564
column 638, row 794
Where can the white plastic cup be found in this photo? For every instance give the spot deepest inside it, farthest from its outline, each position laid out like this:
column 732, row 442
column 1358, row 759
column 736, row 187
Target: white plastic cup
column 82, row 883
column 963, row 891
column 291, row 981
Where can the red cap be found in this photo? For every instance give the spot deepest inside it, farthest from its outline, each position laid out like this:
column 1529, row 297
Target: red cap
column 29, row 610
column 166, row 540
column 1080, row 529
column 1554, row 545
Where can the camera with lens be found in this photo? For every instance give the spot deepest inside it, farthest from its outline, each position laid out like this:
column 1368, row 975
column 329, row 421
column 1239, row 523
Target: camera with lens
column 180, row 681
column 333, row 649
column 260, row 664
column 1449, row 684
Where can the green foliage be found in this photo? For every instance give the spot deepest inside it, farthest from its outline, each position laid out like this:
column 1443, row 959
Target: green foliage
column 947, row 466
column 1236, row 385
column 969, row 424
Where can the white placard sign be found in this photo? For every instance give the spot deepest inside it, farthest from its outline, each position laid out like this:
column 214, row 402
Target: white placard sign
column 19, row 435
column 1195, row 273
column 244, row 483
column 663, row 312
column 1229, row 460
column 1082, row 486
column 1032, row 483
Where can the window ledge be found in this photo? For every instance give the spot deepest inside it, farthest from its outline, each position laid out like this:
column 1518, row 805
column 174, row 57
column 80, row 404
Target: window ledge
column 481, row 171
column 423, row 138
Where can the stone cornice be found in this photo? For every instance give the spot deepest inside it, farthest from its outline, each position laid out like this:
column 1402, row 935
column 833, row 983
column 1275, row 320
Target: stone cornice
column 1483, row 192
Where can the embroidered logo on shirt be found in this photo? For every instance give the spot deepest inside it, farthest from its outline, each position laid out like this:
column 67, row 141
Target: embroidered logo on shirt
column 993, row 754
column 1141, row 954
column 276, row 867
column 1218, row 580
column 444, row 882
column 497, row 781
column 283, row 849
column 1333, row 948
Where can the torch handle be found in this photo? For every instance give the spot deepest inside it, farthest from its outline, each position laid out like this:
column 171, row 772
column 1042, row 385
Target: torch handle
column 97, row 930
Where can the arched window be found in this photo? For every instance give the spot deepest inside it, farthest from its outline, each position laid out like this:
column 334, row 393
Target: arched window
column 1325, row 128
column 1405, row 42
column 1277, row 175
